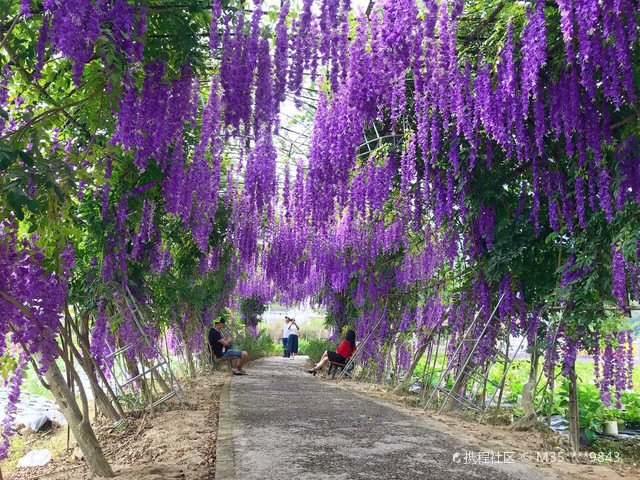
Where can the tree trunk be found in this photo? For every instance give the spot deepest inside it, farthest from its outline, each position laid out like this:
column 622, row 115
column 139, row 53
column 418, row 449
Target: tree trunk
column 461, row 380
column 112, row 411
column 530, row 418
column 79, row 423
column 482, row 398
column 132, row 368
column 112, row 394
column 406, row 380
column 147, row 385
column 574, row 425
column 78, row 420
column 85, row 361
column 189, row 355
column 164, row 386
column 456, row 390
column 158, row 373
column 432, row 373
column 102, row 401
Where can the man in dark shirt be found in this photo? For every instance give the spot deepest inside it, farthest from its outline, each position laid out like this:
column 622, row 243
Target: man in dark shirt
column 222, row 347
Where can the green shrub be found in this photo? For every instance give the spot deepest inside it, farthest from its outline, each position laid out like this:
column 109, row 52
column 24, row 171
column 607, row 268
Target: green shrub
column 315, row 348
column 631, row 402
column 261, row 346
column 303, row 346
column 592, row 413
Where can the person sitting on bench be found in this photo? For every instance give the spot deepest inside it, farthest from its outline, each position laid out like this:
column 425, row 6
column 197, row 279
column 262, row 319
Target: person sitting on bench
column 222, row 347
column 340, row 356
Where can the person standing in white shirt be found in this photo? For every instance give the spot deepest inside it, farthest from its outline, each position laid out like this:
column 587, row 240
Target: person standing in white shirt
column 285, row 337
column 293, row 338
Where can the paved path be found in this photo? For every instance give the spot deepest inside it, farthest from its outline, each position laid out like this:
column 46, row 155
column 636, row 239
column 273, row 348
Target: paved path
column 281, row 422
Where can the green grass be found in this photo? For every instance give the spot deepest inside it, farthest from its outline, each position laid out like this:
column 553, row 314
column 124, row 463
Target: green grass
column 54, row 440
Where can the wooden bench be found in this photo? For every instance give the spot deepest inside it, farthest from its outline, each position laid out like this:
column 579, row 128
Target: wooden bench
column 333, row 367
column 216, row 362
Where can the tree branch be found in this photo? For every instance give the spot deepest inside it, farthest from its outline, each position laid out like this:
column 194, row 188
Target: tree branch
column 6, row 35
column 484, row 23
column 369, row 8
column 38, row 87
column 48, row 113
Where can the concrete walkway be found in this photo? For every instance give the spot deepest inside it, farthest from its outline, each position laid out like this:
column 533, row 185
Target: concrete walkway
column 279, row 422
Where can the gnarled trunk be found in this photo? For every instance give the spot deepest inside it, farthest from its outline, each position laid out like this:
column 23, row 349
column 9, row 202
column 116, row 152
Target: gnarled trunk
column 530, row 418
column 87, row 363
column 79, row 422
column 404, row 383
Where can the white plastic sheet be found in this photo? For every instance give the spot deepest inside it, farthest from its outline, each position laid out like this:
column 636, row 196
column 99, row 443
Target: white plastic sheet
column 35, row 458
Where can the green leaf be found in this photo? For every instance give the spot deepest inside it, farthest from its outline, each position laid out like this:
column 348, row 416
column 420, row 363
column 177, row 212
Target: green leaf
column 7, row 156
column 32, row 206
column 5, row 160
column 59, row 193
column 26, row 158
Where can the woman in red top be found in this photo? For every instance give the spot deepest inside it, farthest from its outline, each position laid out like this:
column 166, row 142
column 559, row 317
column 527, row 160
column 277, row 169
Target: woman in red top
column 341, row 354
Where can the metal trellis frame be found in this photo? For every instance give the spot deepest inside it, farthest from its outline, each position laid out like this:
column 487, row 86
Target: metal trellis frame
column 161, row 363
column 469, row 355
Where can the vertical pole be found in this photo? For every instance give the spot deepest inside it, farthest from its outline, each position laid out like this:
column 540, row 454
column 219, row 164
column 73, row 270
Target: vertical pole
column 482, row 401
column 574, row 425
column 424, row 371
column 435, row 362
column 504, row 369
column 550, row 407
column 65, row 348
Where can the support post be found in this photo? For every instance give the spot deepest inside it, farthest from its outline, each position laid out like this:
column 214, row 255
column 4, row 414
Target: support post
column 504, row 369
column 574, row 419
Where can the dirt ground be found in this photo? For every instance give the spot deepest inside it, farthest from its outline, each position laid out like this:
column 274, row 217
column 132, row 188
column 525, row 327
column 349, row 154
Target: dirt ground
column 175, row 443
column 500, row 439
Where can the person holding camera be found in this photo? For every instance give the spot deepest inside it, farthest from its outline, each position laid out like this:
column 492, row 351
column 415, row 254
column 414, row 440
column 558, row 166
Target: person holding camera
column 293, row 337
